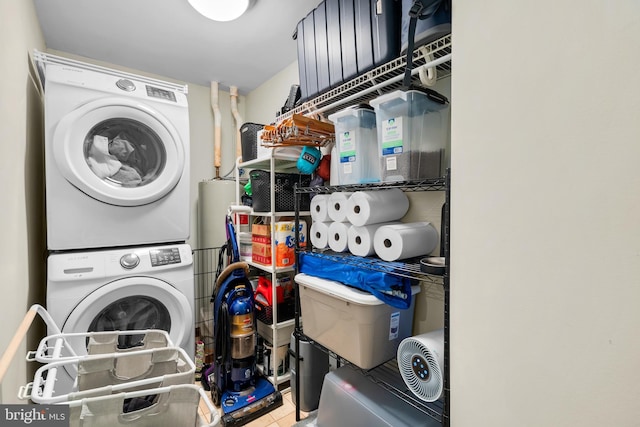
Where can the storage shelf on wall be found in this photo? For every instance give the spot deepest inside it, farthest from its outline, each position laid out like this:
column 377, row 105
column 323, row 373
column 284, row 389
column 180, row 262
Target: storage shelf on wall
column 383, row 79
column 432, row 184
column 388, row 375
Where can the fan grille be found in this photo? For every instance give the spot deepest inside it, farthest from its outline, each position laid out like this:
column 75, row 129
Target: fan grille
column 420, row 370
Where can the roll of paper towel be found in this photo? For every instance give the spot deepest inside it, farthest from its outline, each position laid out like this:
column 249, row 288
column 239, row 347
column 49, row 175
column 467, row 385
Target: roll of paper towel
column 337, row 206
column 372, row 207
column 361, row 238
column 319, row 212
column 339, row 236
column 320, row 234
column 421, row 364
column 399, row 241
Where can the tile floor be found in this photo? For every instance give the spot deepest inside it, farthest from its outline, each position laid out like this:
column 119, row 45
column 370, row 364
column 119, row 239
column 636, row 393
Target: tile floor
column 283, row 416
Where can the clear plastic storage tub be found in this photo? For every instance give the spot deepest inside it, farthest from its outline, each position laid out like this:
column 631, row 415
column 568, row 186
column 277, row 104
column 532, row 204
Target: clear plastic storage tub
column 412, row 133
column 356, row 141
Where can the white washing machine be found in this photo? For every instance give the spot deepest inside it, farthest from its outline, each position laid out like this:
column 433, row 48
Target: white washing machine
column 116, row 157
column 124, row 289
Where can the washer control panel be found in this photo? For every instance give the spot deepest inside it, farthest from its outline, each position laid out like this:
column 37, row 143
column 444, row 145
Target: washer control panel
column 156, row 92
column 164, row 256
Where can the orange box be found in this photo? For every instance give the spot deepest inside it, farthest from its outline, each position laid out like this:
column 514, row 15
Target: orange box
column 284, row 243
column 261, row 244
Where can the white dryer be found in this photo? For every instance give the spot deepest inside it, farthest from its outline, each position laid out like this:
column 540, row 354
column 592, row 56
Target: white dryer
column 124, row 289
column 116, row 157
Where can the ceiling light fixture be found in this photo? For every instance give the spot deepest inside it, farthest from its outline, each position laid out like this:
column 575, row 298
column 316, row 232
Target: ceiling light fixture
column 221, row 10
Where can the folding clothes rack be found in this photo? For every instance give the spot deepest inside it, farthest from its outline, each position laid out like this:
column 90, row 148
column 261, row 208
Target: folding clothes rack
column 149, row 385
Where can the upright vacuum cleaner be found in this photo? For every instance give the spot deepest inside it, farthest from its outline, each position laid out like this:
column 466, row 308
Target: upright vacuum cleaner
column 235, row 383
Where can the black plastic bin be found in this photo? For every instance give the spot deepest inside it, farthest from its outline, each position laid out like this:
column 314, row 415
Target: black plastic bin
column 342, row 39
column 249, row 140
column 283, row 186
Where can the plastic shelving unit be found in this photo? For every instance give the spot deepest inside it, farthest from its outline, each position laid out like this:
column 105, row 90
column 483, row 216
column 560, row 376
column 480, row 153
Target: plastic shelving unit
column 277, row 333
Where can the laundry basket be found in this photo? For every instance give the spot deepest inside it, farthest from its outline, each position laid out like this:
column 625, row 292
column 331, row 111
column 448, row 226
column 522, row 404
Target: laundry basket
column 173, row 406
column 147, row 385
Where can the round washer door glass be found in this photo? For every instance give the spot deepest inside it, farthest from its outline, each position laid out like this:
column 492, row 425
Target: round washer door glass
column 136, row 312
column 134, row 302
column 124, row 152
column 119, row 151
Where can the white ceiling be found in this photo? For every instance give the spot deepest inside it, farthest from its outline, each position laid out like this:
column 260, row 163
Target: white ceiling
column 169, row 38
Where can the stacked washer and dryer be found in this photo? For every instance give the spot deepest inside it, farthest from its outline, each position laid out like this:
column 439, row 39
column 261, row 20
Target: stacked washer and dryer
column 117, row 201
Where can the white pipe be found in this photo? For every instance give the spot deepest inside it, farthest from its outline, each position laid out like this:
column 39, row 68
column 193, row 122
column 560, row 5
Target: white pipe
column 428, row 76
column 236, row 115
column 217, row 118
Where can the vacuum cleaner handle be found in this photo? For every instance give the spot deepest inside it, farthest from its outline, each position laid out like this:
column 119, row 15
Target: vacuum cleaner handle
column 233, row 242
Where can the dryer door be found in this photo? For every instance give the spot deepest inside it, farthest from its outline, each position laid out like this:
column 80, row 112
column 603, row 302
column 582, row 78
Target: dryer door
column 119, row 151
column 132, row 303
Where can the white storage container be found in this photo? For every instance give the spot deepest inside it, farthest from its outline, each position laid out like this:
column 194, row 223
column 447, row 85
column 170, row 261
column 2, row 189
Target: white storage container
column 353, row 323
column 412, row 133
column 356, row 143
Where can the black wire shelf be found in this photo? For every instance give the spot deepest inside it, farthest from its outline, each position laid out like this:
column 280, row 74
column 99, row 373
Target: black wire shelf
column 431, row 184
column 408, row 268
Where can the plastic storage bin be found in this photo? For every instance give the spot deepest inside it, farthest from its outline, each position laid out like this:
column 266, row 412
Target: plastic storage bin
column 283, row 188
column 355, row 129
column 341, row 39
column 353, row 323
column 249, row 140
column 350, row 399
column 412, row 131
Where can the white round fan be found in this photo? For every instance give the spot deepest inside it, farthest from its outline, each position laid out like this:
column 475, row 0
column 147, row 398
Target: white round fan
column 421, row 364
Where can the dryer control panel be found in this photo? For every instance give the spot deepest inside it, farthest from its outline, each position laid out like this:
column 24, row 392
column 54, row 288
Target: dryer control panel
column 164, row 256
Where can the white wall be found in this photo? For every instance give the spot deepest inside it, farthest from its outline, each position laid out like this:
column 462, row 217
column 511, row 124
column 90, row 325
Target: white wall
column 21, row 158
column 545, row 239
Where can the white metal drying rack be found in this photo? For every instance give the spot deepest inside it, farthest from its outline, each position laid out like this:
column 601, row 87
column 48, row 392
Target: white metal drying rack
column 42, row 59
column 60, row 340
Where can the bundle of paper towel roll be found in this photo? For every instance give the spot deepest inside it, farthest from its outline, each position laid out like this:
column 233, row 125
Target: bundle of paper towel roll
column 365, row 223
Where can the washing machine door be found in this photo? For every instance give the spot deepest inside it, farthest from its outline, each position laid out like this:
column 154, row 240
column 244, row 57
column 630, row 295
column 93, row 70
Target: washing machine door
column 119, row 151
column 132, row 303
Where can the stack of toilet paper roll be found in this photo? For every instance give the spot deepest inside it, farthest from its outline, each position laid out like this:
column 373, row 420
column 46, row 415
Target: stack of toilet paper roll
column 329, row 221
column 368, row 222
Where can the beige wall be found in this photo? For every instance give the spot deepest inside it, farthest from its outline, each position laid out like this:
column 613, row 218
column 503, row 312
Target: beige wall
column 21, row 171
column 545, row 237
column 265, row 101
